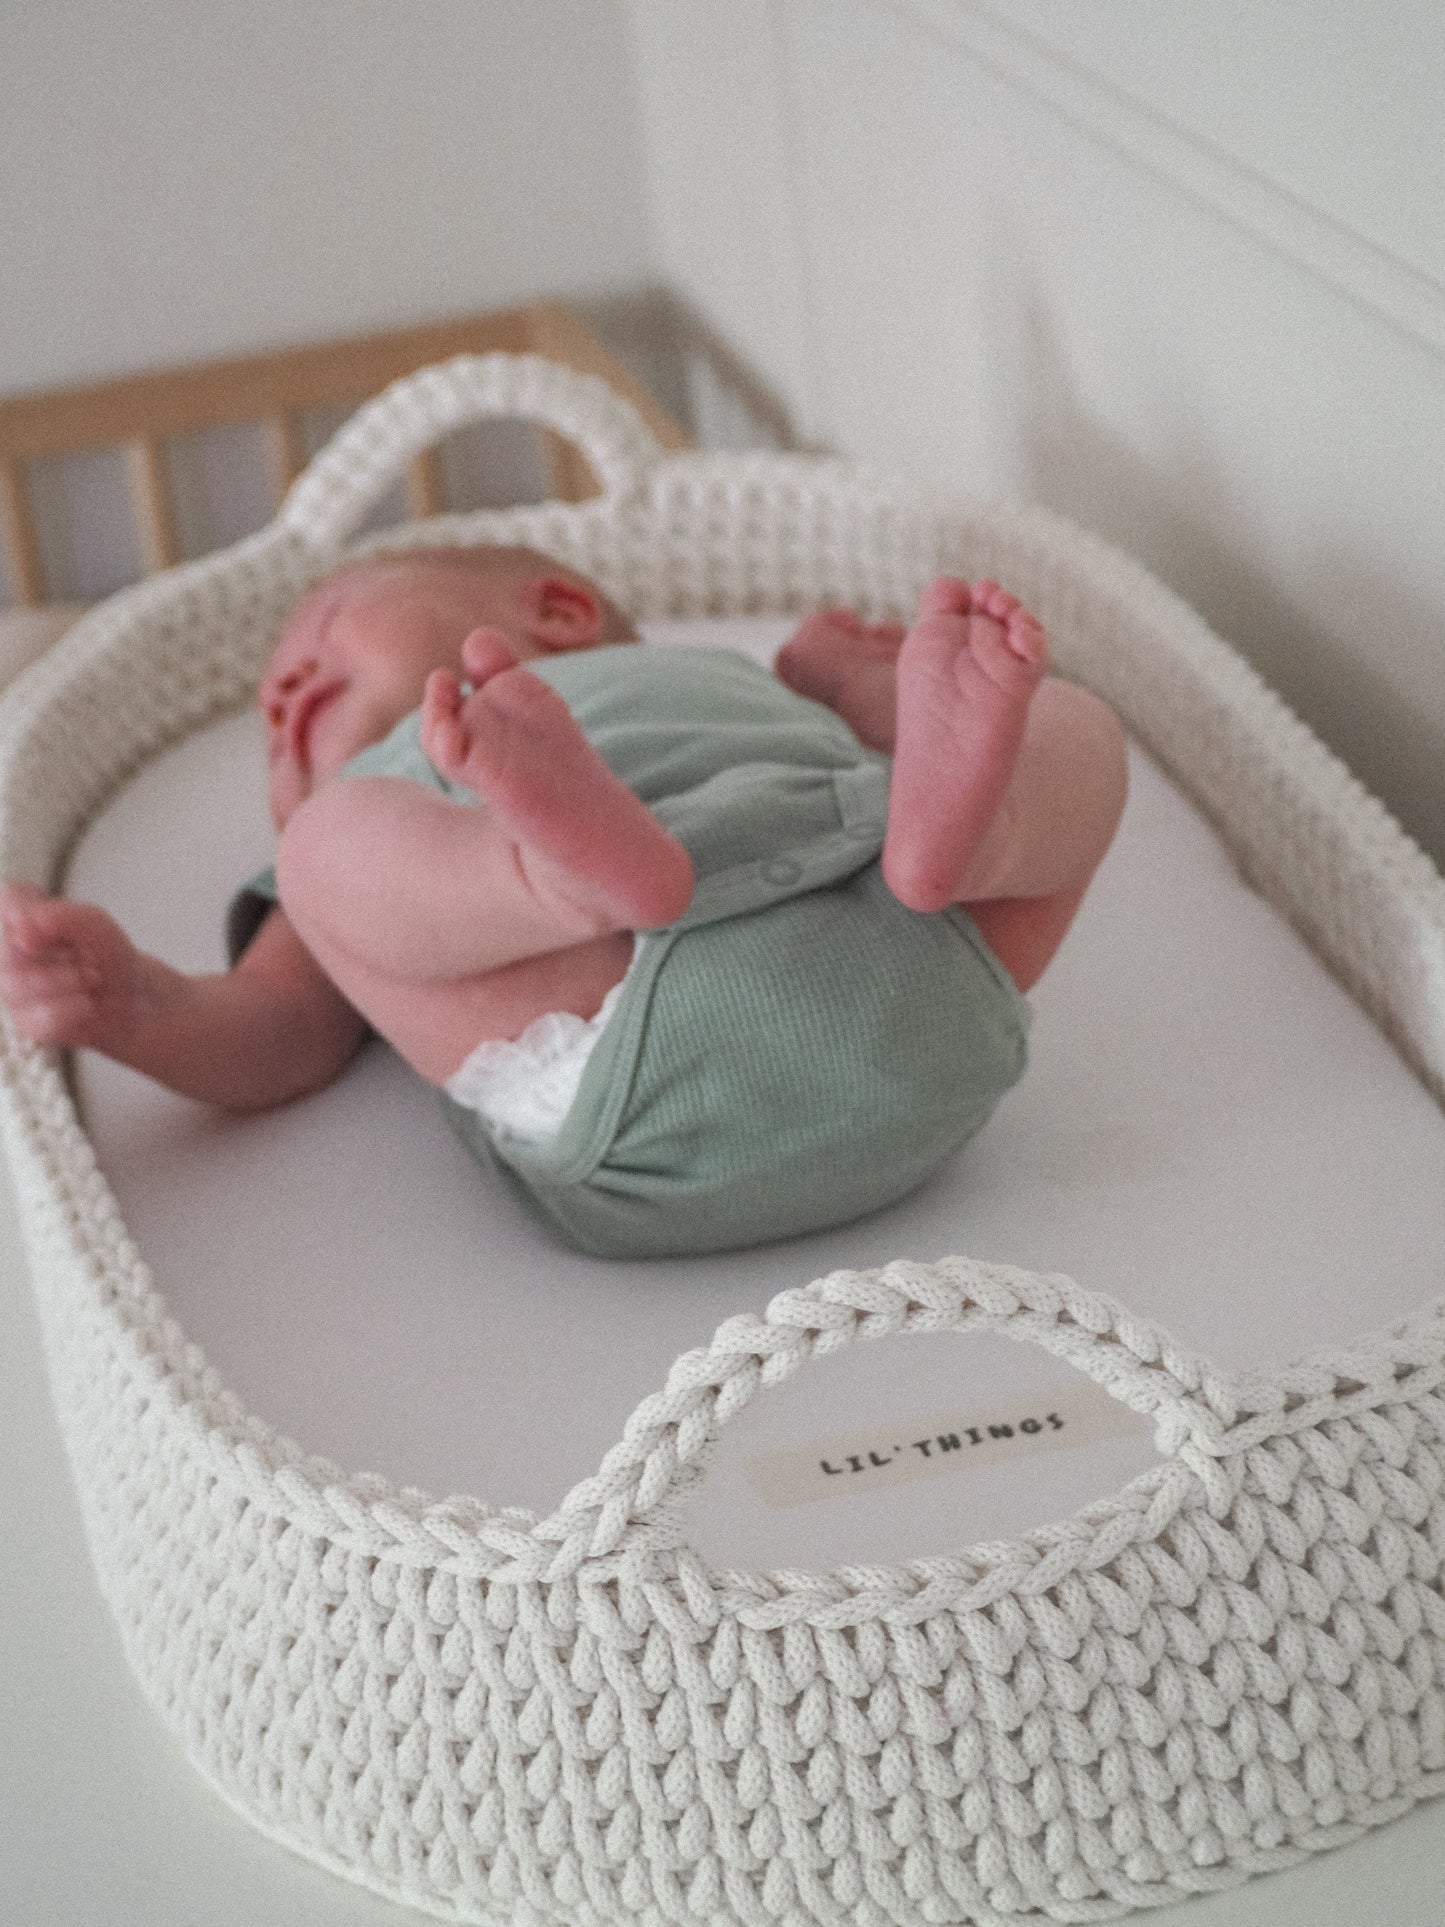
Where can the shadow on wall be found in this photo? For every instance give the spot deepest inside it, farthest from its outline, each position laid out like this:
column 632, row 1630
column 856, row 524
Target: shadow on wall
column 1185, row 526
column 692, row 371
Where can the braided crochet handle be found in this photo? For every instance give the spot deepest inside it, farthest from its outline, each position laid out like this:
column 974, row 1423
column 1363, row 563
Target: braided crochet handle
column 359, row 464
column 665, row 1443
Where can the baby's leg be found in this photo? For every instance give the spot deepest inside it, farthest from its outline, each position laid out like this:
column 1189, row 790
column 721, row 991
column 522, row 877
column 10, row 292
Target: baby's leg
column 1007, row 787
column 412, row 902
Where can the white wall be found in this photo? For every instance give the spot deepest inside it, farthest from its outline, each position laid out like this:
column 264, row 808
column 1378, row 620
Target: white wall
column 1174, row 271
column 187, row 178
column 1334, row 102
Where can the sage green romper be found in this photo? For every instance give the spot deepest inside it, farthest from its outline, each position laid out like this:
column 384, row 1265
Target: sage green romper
column 797, row 1049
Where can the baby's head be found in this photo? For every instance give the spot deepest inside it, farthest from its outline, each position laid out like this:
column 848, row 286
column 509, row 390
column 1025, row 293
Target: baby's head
column 356, row 652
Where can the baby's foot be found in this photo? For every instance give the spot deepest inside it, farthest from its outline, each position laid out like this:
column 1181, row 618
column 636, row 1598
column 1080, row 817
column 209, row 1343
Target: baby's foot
column 837, row 659
column 581, row 834
column 967, row 672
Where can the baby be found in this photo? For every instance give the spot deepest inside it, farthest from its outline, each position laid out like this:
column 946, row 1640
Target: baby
column 699, row 953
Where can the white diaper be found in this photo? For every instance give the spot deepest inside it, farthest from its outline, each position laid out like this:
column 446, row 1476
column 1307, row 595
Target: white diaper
column 524, row 1088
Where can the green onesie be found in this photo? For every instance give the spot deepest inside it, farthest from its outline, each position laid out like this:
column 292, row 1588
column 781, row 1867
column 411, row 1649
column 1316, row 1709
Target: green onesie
column 798, row 1048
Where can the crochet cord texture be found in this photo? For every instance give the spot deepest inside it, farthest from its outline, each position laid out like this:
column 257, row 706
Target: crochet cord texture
column 1237, row 1660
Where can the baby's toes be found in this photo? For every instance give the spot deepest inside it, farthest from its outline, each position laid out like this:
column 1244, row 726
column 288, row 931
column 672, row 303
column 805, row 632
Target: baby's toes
column 995, row 601
column 439, row 697
column 486, row 653
column 1026, row 638
column 1022, row 633
column 946, row 595
column 991, row 654
column 513, row 720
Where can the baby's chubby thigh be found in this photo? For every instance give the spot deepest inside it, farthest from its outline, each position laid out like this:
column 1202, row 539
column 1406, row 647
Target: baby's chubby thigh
column 413, row 884
column 409, row 902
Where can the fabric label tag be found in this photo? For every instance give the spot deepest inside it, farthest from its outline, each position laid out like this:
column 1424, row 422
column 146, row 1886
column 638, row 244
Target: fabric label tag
column 932, row 1448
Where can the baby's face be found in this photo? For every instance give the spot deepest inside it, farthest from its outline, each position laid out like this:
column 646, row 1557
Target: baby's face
column 355, row 658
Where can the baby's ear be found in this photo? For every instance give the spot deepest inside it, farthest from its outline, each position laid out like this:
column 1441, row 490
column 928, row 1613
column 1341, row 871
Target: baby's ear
column 561, row 614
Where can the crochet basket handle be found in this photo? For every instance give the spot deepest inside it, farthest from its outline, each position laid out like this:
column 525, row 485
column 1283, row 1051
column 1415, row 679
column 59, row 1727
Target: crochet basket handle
column 369, row 455
column 666, row 1441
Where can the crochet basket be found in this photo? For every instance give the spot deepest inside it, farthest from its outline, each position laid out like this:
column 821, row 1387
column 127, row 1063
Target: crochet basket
column 1236, row 1660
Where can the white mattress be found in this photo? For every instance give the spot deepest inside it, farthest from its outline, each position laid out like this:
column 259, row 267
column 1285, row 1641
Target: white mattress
column 1210, row 1130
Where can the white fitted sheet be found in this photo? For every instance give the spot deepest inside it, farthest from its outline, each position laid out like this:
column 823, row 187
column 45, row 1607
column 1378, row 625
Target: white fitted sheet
column 1210, row 1130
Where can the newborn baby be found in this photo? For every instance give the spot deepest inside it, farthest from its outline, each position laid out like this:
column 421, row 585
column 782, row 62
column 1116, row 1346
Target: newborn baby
column 699, row 953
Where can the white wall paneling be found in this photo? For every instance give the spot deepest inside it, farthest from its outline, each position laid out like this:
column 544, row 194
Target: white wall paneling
column 1329, row 104
column 1040, row 252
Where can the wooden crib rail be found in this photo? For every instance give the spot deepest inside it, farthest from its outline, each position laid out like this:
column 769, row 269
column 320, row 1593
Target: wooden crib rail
column 141, row 412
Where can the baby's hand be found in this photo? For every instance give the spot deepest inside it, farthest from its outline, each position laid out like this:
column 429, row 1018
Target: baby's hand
column 68, row 973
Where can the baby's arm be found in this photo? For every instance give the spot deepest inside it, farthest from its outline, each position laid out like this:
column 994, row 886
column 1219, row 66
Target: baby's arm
column 271, row 1029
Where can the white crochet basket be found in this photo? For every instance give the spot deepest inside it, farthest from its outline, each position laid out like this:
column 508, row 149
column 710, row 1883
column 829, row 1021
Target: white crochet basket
column 1237, row 1660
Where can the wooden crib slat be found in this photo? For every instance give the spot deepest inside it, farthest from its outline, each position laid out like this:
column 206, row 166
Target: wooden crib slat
column 150, row 493
column 569, row 473
column 286, row 451
column 426, row 487
column 22, row 542
column 559, row 333
column 141, row 412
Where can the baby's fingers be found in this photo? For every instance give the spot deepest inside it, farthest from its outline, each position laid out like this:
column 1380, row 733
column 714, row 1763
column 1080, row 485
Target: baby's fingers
column 59, row 1022
column 21, row 923
column 43, row 930
column 16, row 895
column 54, row 1004
column 64, row 972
